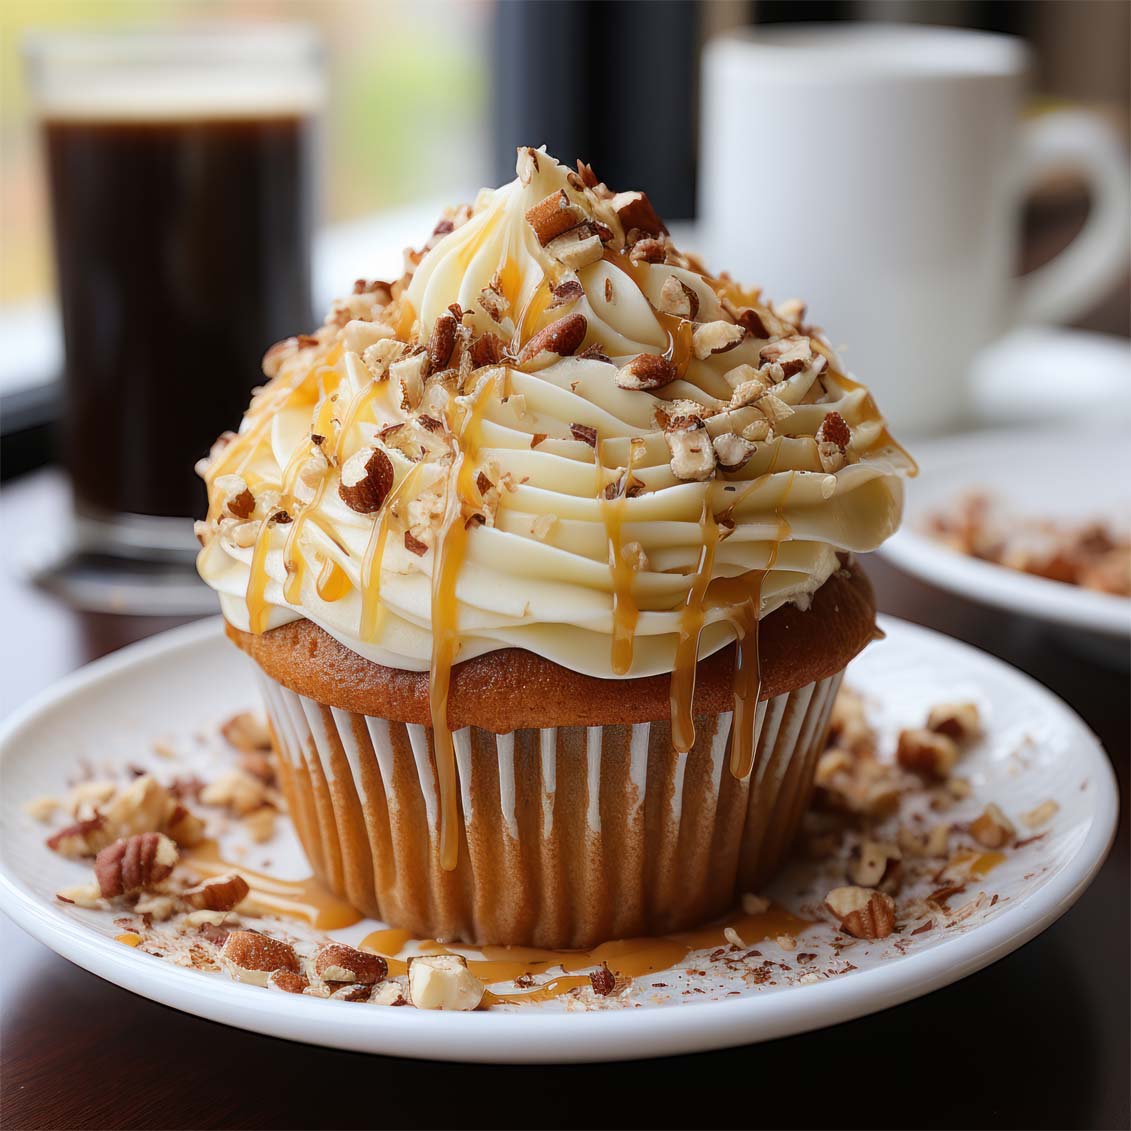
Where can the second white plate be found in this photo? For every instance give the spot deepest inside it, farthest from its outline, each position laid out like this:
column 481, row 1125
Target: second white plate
column 1071, row 476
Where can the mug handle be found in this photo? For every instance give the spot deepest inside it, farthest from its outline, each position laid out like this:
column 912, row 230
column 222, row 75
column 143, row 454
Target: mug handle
column 1076, row 279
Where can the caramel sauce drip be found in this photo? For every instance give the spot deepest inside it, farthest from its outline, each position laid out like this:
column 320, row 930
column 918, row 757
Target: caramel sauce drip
column 532, row 317
column 690, row 630
column 333, row 583
column 451, row 547
column 627, row 958
column 258, row 609
column 625, row 610
column 371, row 578
column 449, row 556
column 306, row 899
column 371, row 607
column 742, row 597
column 510, row 281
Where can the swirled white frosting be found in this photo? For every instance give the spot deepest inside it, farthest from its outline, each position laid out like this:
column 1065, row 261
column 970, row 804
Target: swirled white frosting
column 512, row 438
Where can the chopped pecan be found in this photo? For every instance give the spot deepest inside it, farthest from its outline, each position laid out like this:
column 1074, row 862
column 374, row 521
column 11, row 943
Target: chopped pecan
column 367, row 477
column 562, row 337
column 134, row 863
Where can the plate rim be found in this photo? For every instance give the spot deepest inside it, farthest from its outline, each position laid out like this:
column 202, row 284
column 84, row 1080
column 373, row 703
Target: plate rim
column 570, row 1037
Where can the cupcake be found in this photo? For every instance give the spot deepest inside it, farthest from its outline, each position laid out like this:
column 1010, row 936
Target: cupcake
column 544, row 554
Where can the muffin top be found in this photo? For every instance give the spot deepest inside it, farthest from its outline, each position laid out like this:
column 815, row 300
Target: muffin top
column 554, row 432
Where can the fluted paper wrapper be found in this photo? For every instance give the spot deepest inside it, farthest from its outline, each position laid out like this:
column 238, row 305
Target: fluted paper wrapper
column 569, row 836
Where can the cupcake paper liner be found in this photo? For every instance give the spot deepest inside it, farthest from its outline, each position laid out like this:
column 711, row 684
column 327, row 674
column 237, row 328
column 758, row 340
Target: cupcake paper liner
column 569, row 836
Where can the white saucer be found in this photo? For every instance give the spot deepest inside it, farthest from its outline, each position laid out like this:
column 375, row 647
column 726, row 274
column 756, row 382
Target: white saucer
column 188, row 679
column 1072, row 475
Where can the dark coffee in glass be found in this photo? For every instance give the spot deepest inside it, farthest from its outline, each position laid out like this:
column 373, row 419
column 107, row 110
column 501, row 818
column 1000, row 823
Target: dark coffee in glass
column 181, row 178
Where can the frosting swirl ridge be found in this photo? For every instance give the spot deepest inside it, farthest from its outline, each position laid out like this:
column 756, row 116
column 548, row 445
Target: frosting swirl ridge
column 554, row 432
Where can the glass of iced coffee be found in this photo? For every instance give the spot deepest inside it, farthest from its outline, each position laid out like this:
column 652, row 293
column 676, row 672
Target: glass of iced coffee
column 181, row 175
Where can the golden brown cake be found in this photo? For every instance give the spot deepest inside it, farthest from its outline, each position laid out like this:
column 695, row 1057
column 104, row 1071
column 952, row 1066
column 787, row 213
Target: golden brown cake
column 544, row 552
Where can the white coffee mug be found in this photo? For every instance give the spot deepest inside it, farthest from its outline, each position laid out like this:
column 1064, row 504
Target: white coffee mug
column 877, row 171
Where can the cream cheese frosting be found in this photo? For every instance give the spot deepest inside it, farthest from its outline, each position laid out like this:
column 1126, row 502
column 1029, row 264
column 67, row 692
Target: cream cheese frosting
column 554, row 432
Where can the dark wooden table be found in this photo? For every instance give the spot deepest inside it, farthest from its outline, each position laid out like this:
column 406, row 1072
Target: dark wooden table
column 1040, row 1039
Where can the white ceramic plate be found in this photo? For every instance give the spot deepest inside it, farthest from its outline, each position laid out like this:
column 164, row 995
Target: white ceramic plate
column 186, row 680
column 1069, row 475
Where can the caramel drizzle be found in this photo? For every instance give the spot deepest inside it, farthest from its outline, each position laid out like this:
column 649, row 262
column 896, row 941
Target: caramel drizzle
column 371, row 607
column 742, row 596
column 626, row 958
column 626, row 613
column 691, row 620
column 333, row 583
column 450, row 550
column 305, row 900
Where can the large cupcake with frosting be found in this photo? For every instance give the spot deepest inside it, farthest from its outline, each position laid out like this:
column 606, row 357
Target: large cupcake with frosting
column 544, row 552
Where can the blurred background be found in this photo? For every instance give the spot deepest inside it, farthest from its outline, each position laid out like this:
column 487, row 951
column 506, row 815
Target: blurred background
column 427, row 101
column 941, row 168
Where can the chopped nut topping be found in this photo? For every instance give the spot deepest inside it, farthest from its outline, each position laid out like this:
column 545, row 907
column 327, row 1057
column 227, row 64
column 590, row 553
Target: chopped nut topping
column 831, row 456
column 443, row 981
column 378, row 357
column 251, row 957
column 441, row 343
column 677, row 298
column 561, row 338
column 134, row 863
column 247, row 732
column 336, row 962
column 554, row 215
column 792, row 354
column 874, row 863
column 751, row 321
column 367, row 478
column 693, row 454
column 576, row 248
column 235, row 790
column 287, row 981
column 993, row 829
column 220, row 893
column 565, row 293
column 486, row 349
column 584, row 433
column 238, row 500
column 415, row 545
column 732, row 451
column 715, row 337
column 863, row 913
column 646, row 371
column 647, row 251
column 958, row 721
column 834, row 430
column 603, row 980
column 634, row 210
column 926, row 753
column 493, row 302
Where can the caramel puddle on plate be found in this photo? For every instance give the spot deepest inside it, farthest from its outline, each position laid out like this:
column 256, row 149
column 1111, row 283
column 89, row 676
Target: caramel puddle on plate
column 308, row 901
column 628, row 958
column 305, row 899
